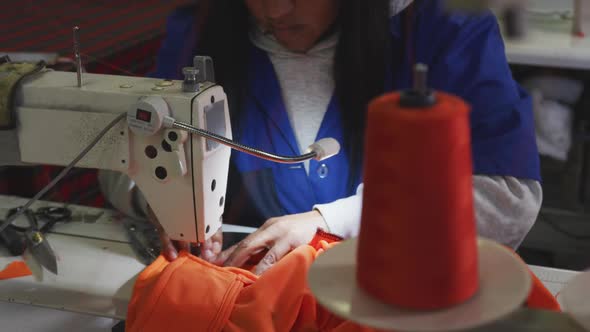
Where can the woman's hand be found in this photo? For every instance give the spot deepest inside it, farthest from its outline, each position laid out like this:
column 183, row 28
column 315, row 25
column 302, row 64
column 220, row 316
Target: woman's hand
column 170, row 249
column 278, row 235
column 212, row 247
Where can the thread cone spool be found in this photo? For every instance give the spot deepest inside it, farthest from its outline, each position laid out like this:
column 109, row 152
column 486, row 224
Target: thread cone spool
column 417, row 245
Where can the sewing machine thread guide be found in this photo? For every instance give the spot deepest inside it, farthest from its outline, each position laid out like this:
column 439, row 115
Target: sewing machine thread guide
column 77, row 56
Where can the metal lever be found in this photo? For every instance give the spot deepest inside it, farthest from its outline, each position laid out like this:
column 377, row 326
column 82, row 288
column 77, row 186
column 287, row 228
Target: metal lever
column 320, row 150
column 206, row 71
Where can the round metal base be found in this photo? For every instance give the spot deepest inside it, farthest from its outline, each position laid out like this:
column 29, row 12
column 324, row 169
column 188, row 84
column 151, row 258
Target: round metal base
column 505, row 283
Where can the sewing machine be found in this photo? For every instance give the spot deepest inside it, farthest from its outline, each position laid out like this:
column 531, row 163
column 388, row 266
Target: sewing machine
column 183, row 178
column 182, row 175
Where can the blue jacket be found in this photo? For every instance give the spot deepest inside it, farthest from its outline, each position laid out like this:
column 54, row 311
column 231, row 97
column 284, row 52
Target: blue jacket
column 465, row 55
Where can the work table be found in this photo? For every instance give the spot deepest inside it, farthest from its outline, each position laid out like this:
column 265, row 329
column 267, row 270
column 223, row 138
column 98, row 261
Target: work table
column 97, row 266
column 549, row 41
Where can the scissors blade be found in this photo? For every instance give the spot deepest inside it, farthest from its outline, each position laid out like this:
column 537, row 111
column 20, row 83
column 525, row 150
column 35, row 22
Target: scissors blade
column 42, row 251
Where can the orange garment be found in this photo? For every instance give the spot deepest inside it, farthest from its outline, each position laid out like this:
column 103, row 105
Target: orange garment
column 190, row 294
column 540, row 297
column 15, row 269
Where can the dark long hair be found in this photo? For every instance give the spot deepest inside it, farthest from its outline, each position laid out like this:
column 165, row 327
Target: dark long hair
column 359, row 67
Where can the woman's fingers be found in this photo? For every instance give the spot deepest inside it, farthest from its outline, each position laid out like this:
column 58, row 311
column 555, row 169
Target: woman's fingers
column 278, row 251
column 168, row 249
column 211, row 249
column 254, row 243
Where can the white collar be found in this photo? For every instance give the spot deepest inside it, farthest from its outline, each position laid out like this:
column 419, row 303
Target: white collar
column 397, row 6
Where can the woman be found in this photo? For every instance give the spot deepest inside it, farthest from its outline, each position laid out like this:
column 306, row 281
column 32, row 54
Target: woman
column 299, row 70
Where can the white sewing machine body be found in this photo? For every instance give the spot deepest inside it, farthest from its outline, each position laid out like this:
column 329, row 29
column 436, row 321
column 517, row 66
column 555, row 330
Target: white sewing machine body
column 182, row 176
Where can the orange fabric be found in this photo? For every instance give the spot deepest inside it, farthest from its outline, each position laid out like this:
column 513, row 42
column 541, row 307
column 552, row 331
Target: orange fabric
column 190, row 294
column 15, row 269
column 428, row 185
column 540, row 297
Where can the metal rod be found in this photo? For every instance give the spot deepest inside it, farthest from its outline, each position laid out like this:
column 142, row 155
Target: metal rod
column 246, row 149
column 77, row 56
column 421, row 78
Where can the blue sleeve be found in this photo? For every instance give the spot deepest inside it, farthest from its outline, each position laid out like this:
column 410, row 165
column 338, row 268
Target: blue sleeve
column 178, row 45
column 468, row 59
